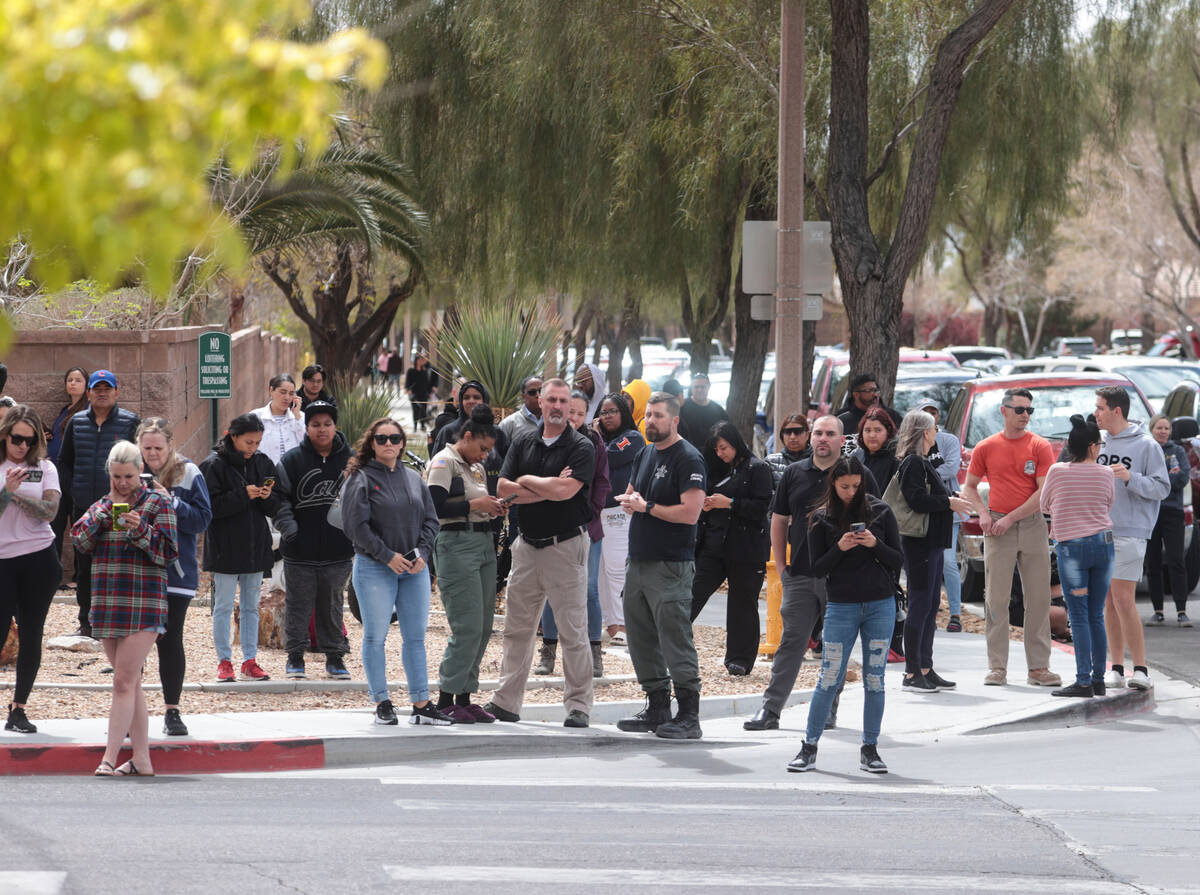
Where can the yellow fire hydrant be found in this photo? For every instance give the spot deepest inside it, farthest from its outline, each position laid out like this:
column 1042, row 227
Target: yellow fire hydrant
column 774, row 620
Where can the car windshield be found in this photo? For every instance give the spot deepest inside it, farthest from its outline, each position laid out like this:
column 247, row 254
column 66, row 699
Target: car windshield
column 1054, row 405
column 1156, row 382
column 907, row 395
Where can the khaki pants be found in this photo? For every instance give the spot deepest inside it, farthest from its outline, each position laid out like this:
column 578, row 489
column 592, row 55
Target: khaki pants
column 557, row 574
column 1025, row 545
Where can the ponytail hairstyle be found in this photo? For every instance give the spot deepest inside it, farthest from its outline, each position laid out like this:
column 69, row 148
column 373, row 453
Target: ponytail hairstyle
column 831, row 506
column 239, row 425
column 172, row 470
column 1084, row 433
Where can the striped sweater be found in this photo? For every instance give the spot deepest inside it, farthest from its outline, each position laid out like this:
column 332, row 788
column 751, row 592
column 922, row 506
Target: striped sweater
column 1078, row 497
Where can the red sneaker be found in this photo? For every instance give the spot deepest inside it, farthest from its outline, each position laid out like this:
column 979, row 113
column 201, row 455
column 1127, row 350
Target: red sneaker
column 894, row 656
column 251, row 672
column 225, row 671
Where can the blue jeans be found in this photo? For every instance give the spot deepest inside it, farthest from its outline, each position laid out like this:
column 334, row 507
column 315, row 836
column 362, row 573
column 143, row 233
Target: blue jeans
column 950, row 575
column 380, row 593
column 225, row 587
column 844, row 622
column 595, row 620
column 1085, row 566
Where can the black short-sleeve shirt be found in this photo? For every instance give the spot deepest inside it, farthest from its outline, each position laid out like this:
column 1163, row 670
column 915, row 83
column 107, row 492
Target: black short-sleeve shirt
column 801, row 488
column 530, row 455
column 663, row 477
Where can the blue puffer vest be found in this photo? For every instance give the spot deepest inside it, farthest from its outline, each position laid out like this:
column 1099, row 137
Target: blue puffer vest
column 91, row 444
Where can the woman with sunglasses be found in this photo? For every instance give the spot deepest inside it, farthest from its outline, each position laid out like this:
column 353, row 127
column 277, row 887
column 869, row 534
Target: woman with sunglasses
column 389, row 516
column 793, row 436
column 181, row 482
column 29, row 567
column 622, row 442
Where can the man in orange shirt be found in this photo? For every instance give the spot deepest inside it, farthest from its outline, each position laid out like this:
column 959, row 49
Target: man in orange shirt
column 1015, row 462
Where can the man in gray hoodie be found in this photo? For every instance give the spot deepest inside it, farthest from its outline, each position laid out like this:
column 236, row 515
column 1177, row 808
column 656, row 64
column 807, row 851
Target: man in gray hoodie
column 1137, row 462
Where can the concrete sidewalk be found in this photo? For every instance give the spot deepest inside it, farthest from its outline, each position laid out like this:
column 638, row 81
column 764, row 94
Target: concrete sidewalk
column 266, row 741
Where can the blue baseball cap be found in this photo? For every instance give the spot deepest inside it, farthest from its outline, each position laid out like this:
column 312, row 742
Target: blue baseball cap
column 102, row 376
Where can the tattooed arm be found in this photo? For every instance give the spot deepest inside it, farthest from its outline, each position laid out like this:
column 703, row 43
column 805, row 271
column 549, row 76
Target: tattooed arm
column 43, row 510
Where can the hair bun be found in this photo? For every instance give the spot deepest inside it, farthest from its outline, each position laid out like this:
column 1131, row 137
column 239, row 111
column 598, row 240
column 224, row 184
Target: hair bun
column 1077, row 421
column 482, row 414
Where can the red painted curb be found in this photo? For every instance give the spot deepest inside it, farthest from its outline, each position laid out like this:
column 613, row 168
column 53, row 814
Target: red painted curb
column 198, row 757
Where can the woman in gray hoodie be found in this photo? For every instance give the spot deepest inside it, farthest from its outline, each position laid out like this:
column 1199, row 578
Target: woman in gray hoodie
column 389, row 517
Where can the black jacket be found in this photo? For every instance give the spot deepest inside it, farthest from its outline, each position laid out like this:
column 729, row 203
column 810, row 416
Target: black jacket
column 322, row 395
column 307, row 486
column 448, row 434
column 741, row 533
column 860, row 574
column 238, row 541
column 85, row 450
column 882, row 463
column 915, row 474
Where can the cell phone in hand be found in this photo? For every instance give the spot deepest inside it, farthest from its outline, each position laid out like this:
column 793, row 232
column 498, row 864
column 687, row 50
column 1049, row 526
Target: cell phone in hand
column 33, row 475
column 119, row 510
column 146, row 478
column 858, row 526
column 268, row 481
column 511, row 499
column 412, row 555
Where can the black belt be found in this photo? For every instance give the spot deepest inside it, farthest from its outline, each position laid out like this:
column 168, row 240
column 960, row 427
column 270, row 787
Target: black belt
column 540, row 543
column 468, row 526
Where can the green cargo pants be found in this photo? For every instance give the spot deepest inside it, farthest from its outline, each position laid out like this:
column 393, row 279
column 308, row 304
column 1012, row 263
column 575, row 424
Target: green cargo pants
column 658, row 624
column 466, row 578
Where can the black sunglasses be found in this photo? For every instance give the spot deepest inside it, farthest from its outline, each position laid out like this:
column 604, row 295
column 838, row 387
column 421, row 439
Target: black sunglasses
column 18, row 440
column 787, row 432
column 532, row 392
column 396, row 438
column 1028, row 410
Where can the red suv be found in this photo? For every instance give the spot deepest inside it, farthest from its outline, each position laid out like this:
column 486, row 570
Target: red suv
column 831, row 369
column 975, row 414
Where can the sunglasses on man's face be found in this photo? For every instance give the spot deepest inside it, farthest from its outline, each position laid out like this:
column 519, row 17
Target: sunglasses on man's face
column 18, row 440
column 395, row 438
column 1022, row 410
column 794, row 432
column 533, row 392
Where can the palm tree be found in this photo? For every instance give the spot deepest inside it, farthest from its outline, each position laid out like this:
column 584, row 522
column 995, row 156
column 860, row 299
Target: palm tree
column 354, row 199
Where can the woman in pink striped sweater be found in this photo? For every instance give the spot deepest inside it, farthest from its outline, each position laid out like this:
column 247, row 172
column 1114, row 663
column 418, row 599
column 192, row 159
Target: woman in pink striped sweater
column 1078, row 495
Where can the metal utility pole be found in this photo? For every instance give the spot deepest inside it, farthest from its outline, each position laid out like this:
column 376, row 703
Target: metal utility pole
column 789, row 287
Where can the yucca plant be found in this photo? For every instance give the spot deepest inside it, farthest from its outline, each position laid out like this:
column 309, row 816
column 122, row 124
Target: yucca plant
column 359, row 406
column 498, row 344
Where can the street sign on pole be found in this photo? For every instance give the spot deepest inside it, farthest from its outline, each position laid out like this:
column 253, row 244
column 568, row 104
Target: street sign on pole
column 760, row 258
column 216, row 373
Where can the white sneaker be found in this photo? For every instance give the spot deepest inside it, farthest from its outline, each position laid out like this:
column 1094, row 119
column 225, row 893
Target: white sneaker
column 1114, row 680
column 1140, row 681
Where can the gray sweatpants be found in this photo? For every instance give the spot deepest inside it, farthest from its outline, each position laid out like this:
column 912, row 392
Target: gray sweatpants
column 319, row 588
column 803, row 603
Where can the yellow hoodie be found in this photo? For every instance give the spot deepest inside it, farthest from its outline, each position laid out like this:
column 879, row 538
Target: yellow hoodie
column 639, row 390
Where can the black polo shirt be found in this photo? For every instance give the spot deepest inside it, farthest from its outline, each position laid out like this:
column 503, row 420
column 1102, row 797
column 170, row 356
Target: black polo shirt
column 801, row 488
column 530, row 455
column 663, row 477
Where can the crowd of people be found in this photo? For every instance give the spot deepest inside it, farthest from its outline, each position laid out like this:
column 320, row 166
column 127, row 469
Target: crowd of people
column 608, row 517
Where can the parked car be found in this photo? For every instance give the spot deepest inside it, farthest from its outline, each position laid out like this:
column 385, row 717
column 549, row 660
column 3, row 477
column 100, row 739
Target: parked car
column 1171, row 344
column 833, row 368
column 1073, row 345
column 685, row 345
column 975, row 414
column 965, row 354
column 1155, row 376
column 1125, row 341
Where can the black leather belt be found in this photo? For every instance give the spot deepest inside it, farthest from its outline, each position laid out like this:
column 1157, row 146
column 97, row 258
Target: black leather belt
column 468, row 526
column 540, row 543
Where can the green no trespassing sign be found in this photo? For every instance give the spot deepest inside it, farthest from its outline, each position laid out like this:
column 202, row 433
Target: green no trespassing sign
column 216, row 365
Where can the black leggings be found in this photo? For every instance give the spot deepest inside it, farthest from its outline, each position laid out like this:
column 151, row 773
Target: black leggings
column 1165, row 547
column 171, row 661
column 923, row 562
column 741, row 603
column 27, row 585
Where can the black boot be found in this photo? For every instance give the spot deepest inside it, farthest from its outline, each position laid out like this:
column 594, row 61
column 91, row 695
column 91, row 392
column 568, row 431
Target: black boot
column 686, row 723
column 18, row 721
column 656, row 712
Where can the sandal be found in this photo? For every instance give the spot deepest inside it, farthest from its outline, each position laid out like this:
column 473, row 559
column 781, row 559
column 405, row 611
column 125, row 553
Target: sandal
column 129, row 769
column 105, row 770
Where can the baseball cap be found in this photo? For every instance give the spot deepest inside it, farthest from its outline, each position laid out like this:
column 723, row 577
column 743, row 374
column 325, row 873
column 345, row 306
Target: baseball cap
column 928, row 402
column 102, row 376
column 315, row 407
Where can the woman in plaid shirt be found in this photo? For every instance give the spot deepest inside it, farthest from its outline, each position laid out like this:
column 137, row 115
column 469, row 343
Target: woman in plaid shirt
column 129, row 595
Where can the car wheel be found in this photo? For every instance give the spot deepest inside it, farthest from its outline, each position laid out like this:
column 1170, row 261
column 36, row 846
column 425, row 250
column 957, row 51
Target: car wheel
column 1191, row 560
column 971, row 577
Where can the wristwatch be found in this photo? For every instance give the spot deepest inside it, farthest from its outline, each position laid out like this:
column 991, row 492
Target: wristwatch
column 649, row 506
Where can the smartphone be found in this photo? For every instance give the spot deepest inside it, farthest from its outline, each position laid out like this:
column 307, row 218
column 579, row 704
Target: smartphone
column 119, row 510
column 508, row 501
column 412, row 555
column 269, row 481
column 858, row 526
column 147, row 478
column 33, row 475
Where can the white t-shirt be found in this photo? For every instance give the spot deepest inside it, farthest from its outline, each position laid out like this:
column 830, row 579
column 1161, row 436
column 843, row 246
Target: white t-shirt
column 20, row 533
column 282, row 432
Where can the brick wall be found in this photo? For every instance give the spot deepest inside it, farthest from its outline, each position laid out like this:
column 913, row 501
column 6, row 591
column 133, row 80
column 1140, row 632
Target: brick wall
column 156, row 371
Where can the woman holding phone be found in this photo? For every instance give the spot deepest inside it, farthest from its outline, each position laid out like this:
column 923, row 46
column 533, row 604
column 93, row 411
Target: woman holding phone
column 237, row 547
column 389, row 516
column 854, row 544
column 29, row 567
column 131, row 535
column 180, row 481
column 283, row 426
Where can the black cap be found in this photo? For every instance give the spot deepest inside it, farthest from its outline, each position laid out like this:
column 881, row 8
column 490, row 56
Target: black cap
column 315, row 407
